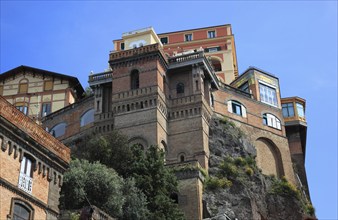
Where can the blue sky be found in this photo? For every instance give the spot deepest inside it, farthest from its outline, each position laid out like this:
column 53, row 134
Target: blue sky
column 296, row 41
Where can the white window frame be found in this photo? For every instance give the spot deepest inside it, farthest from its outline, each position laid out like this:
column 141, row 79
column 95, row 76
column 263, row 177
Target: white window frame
column 272, row 88
column 210, row 35
column 230, row 104
column 189, row 39
column 272, row 121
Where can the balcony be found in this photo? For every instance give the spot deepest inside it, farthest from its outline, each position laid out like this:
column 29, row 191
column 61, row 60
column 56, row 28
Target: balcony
column 25, row 183
column 100, row 78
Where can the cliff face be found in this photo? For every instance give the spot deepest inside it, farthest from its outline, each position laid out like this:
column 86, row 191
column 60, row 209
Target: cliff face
column 235, row 187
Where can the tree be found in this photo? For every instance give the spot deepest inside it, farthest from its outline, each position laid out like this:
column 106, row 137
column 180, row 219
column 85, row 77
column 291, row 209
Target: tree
column 110, row 149
column 103, row 188
column 156, row 181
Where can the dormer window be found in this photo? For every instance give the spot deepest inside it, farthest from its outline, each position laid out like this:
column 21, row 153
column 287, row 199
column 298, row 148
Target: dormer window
column 122, row 46
column 164, row 40
column 211, row 34
column 188, row 37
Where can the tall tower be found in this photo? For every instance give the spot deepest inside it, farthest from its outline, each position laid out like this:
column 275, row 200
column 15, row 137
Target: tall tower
column 160, row 100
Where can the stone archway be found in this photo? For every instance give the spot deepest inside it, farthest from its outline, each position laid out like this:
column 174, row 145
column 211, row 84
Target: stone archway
column 269, row 157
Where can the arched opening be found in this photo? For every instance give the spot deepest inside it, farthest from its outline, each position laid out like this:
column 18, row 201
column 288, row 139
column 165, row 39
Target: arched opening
column 182, row 158
column 180, row 88
column 21, row 210
column 269, row 157
column 216, row 63
column 59, row 129
column 87, row 117
column 134, row 79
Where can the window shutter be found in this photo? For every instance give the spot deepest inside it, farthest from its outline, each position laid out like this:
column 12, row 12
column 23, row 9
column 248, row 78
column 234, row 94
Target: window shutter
column 48, row 85
column 230, row 106
column 243, row 111
column 23, row 88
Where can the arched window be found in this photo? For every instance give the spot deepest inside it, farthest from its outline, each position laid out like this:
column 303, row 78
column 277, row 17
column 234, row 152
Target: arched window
column 182, row 158
column 237, row 108
column 59, row 129
column 21, row 210
column 87, row 117
column 23, row 86
column 271, row 121
column 180, row 88
column 135, row 79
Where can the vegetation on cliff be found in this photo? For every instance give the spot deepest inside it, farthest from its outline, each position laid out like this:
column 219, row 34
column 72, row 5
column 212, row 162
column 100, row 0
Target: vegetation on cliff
column 237, row 188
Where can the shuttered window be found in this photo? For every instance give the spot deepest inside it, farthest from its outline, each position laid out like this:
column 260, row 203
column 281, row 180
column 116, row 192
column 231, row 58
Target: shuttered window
column 23, row 87
column 48, row 85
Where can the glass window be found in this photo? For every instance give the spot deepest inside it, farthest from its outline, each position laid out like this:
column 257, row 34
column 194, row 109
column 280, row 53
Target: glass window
column 211, row 34
column 22, row 108
column 46, row 109
column 180, row 88
column 271, row 121
column 135, row 79
column 26, row 175
column 122, row 46
column 288, row 110
column 268, row 95
column 26, row 166
column 188, row 37
column 59, row 129
column 300, row 110
column 87, row 118
column 20, row 212
column 244, row 87
column 164, row 40
column 236, row 108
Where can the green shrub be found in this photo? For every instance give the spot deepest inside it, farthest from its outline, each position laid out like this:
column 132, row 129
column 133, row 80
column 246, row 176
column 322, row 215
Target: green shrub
column 309, row 209
column 249, row 171
column 229, row 170
column 283, row 188
column 240, row 161
column 250, row 161
column 203, row 171
column 213, row 183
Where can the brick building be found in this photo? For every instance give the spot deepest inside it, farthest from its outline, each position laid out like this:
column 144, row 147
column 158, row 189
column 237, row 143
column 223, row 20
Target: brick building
column 163, row 90
column 32, row 166
column 37, row 92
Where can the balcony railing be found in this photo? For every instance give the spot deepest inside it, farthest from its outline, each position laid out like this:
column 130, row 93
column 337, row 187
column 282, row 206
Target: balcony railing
column 100, row 77
column 25, row 183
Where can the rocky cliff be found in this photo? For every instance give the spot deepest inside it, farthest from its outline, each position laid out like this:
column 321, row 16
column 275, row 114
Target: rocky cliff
column 236, row 188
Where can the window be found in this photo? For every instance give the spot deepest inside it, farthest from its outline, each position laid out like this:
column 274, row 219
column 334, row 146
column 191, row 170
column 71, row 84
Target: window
column 271, row 121
column 87, row 117
column 26, row 175
column 135, row 79
column 236, row 108
column 58, row 130
column 22, row 107
column 21, row 212
column 180, row 88
column 212, row 49
column 300, row 110
column 122, row 46
column 211, row 34
column 268, row 95
column 46, row 109
column 164, row 40
column 48, row 85
column 188, row 37
column 23, row 86
column 244, row 87
column 288, row 110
